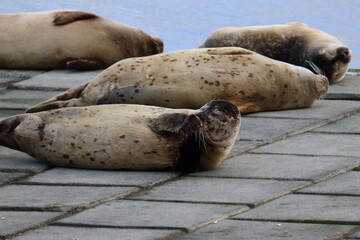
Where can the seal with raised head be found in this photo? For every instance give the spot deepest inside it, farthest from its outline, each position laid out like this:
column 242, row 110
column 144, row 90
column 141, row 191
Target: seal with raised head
column 191, row 78
column 293, row 43
column 73, row 39
column 126, row 136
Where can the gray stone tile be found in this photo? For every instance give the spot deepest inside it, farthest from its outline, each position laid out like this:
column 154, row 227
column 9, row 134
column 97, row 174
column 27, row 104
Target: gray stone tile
column 322, row 109
column 316, row 144
column 279, row 166
column 347, row 183
column 8, row 113
column 236, row 229
column 241, row 146
column 304, row 207
column 11, row 222
column 21, row 99
column 7, row 177
column 346, row 125
column 15, row 160
column 55, row 197
column 217, row 190
column 19, row 74
column 93, row 233
column 139, row 214
column 267, row 128
column 355, row 235
column 97, row 177
column 58, row 80
column 348, row 88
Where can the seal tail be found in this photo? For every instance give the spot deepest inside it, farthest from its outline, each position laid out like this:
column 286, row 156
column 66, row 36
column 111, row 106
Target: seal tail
column 7, row 127
column 69, row 98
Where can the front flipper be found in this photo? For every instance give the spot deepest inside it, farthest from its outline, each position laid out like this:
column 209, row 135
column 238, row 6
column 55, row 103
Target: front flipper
column 7, row 127
column 69, row 98
column 85, row 64
column 188, row 127
column 66, row 17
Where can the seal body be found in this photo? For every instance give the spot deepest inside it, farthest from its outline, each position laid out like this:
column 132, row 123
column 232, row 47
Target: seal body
column 293, row 43
column 74, row 39
column 191, row 78
column 125, row 136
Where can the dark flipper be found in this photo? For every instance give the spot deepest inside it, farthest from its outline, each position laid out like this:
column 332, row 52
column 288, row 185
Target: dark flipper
column 85, row 64
column 66, row 17
column 69, row 98
column 189, row 127
column 7, row 127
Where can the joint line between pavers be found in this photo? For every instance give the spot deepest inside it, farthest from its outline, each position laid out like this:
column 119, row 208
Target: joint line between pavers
column 297, row 221
column 185, row 201
column 254, row 178
column 344, row 234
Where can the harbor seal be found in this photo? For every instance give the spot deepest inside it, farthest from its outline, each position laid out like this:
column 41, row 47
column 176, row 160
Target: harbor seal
column 293, row 43
column 191, row 78
column 126, row 136
column 72, row 39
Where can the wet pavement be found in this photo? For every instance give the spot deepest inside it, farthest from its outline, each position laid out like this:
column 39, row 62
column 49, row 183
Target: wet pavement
column 291, row 175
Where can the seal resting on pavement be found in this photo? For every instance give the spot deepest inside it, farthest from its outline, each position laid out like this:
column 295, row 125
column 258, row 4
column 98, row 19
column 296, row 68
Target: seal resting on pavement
column 126, row 136
column 73, row 39
column 191, row 78
column 293, row 43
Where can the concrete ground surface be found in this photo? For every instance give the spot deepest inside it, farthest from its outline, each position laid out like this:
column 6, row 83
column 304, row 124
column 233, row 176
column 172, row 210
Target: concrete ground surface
column 291, row 175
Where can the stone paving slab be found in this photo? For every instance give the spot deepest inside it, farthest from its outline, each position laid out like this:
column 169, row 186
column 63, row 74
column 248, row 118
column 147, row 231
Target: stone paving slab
column 19, row 161
column 240, row 146
column 8, row 113
column 97, row 177
column 316, row 144
column 304, row 207
column 354, row 235
column 93, row 233
column 217, row 190
column 55, row 197
column 322, row 109
column 139, row 214
column 11, row 222
column 236, row 229
column 347, row 125
column 19, row 74
column 7, row 177
column 347, row 184
column 279, row 166
column 266, row 128
column 21, row 99
column 59, row 80
column 348, row 88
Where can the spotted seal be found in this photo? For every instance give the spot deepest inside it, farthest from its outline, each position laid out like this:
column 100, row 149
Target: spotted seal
column 294, row 43
column 191, row 78
column 73, row 39
column 126, row 136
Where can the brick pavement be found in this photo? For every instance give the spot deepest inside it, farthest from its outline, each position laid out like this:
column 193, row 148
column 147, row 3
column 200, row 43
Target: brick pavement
column 291, row 174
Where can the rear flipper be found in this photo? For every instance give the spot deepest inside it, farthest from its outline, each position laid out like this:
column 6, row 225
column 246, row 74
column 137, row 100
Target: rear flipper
column 7, row 127
column 69, row 98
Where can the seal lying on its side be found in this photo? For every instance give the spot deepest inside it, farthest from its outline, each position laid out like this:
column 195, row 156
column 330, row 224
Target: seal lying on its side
column 191, row 78
column 126, row 136
column 293, row 43
column 74, row 39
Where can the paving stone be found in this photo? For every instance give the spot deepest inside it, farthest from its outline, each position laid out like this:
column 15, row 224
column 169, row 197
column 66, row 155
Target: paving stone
column 97, row 177
column 347, row 183
column 11, row 222
column 240, row 146
column 15, row 160
column 8, row 113
column 279, row 166
column 355, row 235
column 93, row 233
column 236, row 229
column 348, row 88
column 322, row 109
column 19, row 74
column 304, row 207
column 316, row 144
column 55, row 197
column 7, row 177
column 267, row 128
column 346, row 125
column 21, row 99
column 217, row 190
column 139, row 214
column 58, row 80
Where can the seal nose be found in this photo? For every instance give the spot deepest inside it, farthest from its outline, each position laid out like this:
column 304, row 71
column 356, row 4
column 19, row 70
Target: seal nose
column 344, row 53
